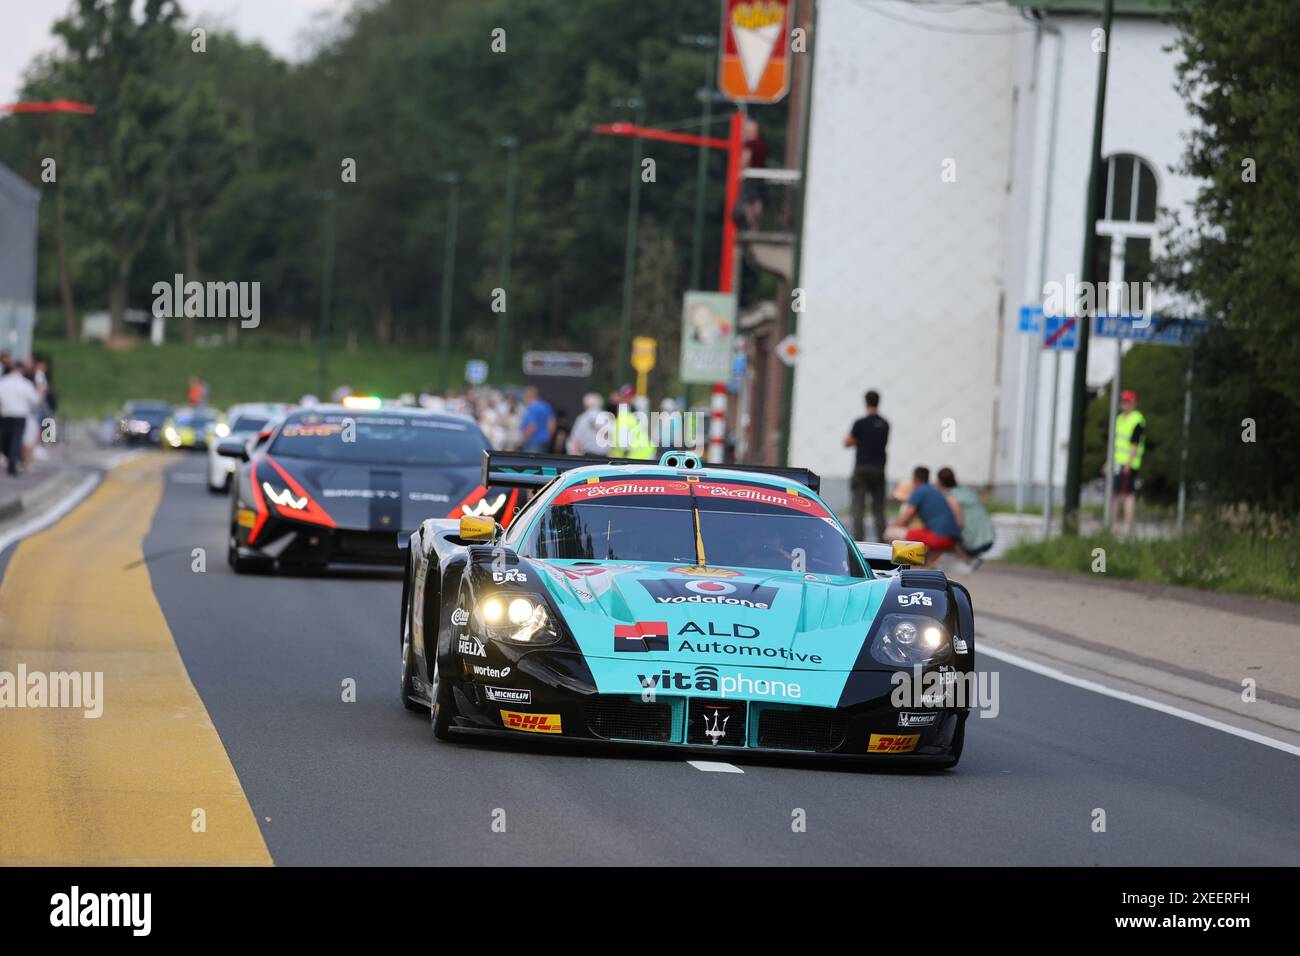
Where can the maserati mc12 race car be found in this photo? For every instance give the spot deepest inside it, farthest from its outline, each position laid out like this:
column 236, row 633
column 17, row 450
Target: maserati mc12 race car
column 675, row 604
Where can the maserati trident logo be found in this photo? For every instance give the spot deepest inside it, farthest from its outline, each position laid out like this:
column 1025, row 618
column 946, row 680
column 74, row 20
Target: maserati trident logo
column 716, row 729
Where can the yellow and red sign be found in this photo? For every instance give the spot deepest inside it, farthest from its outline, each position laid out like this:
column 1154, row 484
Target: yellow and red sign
column 755, row 65
column 532, row 723
column 700, row 571
column 892, row 743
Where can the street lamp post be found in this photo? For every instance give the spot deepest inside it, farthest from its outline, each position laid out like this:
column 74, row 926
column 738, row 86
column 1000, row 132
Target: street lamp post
column 706, row 95
column 629, row 258
column 1079, row 396
column 512, row 177
column 448, row 272
column 326, row 299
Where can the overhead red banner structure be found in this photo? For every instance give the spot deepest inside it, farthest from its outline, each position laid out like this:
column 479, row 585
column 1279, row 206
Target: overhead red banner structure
column 50, row 106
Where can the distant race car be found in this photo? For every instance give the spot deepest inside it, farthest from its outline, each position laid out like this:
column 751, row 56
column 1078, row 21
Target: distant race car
column 332, row 484
column 244, row 422
column 682, row 605
column 141, row 423
column 194, row 427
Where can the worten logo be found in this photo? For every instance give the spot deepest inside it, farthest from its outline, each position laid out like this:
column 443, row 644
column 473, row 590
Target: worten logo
column 75, row 908
column 724, row 593
column 707, row 679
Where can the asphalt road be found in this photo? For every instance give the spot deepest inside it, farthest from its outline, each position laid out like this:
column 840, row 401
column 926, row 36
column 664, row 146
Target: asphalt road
column 365, row 783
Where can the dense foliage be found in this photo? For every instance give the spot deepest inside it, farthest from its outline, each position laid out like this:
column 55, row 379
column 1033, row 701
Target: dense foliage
column 216, row 163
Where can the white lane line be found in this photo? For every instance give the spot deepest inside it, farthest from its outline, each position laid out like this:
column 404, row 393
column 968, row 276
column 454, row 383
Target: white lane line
column 714, row 766
column 47, row 518
column 1096, row 688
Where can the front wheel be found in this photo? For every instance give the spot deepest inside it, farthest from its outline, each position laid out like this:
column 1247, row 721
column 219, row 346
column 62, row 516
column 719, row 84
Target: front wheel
column 242, row 565
column 408, row 655
column 442, row 715
column 958, row 742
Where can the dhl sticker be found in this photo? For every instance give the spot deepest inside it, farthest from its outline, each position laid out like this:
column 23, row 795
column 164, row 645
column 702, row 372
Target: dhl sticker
column 532, row 723
column 892, row 743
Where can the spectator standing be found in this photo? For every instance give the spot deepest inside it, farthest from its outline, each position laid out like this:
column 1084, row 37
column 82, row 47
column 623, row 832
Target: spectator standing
column 537, row 426
column 940, row 528
column 868, row 438
column 1130, row 445
column 19, row 401
column 586, row 437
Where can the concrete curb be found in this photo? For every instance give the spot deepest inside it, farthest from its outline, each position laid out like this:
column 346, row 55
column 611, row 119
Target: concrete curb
column 54, row 498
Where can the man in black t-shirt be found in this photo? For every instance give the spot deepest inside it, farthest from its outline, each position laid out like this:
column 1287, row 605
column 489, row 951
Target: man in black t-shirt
column 868, row 438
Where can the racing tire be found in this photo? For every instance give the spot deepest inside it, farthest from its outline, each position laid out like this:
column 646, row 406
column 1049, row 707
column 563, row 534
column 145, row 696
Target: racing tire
column 242, row 565
column 409, row 700
column 442, row 715
column 958, row 742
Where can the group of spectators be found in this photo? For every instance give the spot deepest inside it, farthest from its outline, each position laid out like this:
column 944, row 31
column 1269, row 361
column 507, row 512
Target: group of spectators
column 605, row 427
column 947, row 519
column 25, row 401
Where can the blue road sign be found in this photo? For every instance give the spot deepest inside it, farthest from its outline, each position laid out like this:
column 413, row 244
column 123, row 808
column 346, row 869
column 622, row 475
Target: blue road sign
column 1060, row 333
column 476, row 371
column 1153, row 329
column 1031, row 319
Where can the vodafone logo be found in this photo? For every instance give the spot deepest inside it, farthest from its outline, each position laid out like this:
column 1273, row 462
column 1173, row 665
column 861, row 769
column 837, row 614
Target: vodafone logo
column 711, row 587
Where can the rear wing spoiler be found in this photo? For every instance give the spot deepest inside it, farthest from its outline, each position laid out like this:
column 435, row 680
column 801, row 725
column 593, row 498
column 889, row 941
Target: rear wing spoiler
column 519, row 469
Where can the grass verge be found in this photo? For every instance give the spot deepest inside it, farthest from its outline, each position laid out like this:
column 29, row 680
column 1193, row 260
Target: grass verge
column 92, row 381
column 1259, row 561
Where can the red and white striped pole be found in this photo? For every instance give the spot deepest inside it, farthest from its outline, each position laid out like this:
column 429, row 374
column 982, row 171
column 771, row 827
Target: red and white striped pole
column 718, row 424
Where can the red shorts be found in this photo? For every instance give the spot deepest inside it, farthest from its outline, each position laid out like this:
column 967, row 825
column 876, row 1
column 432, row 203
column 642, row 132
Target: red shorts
column 932, row 541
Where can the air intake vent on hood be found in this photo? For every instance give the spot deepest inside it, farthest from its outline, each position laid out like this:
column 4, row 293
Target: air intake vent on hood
column 924, row 579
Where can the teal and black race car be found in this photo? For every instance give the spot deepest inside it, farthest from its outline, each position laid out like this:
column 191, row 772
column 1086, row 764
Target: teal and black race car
column 682, row 605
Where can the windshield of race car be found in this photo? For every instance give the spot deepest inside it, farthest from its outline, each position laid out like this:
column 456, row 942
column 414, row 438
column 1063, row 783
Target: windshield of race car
column 388, row 438
column 248, row 423
column 741, row 524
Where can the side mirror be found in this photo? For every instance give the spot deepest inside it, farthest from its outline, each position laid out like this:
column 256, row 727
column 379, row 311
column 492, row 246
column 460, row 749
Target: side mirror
column 911, row 553
column 477, row 528
column 233, row 448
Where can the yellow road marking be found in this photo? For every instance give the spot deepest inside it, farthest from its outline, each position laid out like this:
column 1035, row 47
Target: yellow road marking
column 122, row 788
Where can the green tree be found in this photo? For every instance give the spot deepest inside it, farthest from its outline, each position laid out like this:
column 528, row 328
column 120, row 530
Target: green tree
column 120, row 63
column 1237, row 258
column 1240, row 256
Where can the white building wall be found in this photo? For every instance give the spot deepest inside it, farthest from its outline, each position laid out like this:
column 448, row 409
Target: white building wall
column 913, row 285
column 902, row 271
column 1144, row 116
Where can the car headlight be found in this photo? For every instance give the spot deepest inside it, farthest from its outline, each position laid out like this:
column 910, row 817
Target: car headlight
column 521, row 618
column 908, row 639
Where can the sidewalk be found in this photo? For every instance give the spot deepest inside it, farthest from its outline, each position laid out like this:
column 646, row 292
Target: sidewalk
column 1198, row 646
column 59, row 468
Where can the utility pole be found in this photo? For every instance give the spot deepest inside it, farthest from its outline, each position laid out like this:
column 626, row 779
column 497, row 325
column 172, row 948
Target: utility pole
column 1079, row 395
column 703, row 41
column 808, row 16
column 448, row 272
column 326, row 300
column 629, row 257
column 512, row 177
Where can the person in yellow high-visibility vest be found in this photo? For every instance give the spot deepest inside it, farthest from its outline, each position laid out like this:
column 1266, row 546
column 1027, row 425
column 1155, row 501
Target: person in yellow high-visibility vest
column 1130, row 444
column 629, row 439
